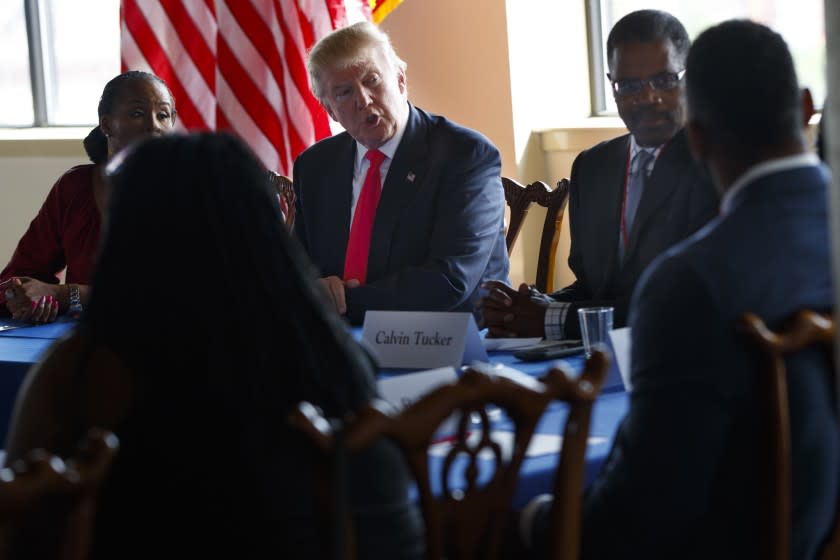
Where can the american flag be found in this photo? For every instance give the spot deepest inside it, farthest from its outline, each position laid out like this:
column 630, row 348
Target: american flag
column 240, row 65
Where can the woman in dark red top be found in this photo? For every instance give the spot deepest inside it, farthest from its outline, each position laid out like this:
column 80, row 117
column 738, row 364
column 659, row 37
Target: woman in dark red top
column 65, row 233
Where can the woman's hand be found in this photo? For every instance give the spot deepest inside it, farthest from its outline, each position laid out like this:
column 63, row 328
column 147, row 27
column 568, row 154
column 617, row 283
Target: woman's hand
column 28, row 299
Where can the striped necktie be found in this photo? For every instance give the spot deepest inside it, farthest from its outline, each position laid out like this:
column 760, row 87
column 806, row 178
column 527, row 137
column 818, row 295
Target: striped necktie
column 635, row 186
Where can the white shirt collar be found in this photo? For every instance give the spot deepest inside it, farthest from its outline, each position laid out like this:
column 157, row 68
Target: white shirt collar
column 635, row 148
column 765, row 168
column 389, row 148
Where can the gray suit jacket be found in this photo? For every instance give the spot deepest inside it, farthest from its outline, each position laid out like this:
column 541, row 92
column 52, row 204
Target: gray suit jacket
column 439, row 227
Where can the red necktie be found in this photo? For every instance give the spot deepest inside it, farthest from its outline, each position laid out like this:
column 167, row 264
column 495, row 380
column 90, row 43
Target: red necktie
column 358, row 245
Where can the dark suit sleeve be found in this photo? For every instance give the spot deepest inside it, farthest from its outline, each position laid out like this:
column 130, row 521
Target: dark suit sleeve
column 468, row 218
column 658, row 479
column 579, row 292
column 579, row 289
column 704, row 203
column 299, row 230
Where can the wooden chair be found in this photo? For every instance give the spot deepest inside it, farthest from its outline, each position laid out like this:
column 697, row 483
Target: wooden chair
column 285, row 194
column 519, row 198
column 473, row 521
column 47, row 506
column 807, row 328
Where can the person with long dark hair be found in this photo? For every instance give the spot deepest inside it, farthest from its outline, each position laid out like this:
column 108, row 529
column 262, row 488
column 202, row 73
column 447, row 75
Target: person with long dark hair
column 65, row 233
column 198, row 391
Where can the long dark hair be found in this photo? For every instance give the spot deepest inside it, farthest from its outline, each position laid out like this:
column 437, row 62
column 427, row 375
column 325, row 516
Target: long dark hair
column 95, row 143
column 214, row 308
column 199, row 284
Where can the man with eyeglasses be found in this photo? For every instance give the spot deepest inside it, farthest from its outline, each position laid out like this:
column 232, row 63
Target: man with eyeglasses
column 631, row 198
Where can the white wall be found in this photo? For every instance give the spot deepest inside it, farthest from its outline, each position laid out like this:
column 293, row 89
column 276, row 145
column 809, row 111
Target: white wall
column 505, row 68
column 28, row 168
column 458, row 64
column 549, row 72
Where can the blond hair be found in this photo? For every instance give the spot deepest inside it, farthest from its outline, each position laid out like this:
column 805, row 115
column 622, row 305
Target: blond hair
column 343, row 48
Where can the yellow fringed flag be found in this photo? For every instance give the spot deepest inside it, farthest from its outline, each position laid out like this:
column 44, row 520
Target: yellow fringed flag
column 381, row 8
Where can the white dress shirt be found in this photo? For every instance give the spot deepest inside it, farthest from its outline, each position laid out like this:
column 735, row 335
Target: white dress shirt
column 360, row 168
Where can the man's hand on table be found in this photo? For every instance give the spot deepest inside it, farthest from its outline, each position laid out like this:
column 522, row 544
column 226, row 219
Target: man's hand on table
column 511, row 313
column 28, row 299
column 334, row 286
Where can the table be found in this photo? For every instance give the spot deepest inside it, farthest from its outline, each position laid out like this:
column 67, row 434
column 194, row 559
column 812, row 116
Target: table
column 20, row 348
column 537, row 472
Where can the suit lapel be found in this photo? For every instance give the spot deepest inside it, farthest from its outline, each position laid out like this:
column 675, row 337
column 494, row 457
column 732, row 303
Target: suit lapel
column 405, row 176
column 608, row 202
column 660, row 186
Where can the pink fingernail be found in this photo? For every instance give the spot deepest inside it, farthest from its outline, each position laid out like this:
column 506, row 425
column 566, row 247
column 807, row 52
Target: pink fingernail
column 34, row 304
column 55, row 303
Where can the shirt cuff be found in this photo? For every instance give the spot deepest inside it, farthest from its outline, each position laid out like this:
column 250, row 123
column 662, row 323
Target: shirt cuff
column 555, row 320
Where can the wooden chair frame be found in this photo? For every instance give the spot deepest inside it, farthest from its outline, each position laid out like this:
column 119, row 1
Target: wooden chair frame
column 807, row 328
column 62, row 494
column 520, row 198
column 286, row 194
column 472, row 522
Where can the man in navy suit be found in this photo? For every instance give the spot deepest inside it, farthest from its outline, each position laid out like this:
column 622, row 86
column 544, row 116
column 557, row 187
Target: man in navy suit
column 430, row 228
column 681, row 479
column 630, row 198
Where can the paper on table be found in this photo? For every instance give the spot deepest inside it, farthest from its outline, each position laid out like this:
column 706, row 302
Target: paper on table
column 620, row 342
column 541, row 444
column 403, row 390
column 10, row 324
column 508, row 344
column 513, row 374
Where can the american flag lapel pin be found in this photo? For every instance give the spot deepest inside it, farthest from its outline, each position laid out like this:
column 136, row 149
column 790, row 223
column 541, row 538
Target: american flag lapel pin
column 410, row 177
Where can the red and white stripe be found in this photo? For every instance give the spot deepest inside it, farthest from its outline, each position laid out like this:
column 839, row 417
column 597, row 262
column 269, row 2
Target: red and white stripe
column 238, row 65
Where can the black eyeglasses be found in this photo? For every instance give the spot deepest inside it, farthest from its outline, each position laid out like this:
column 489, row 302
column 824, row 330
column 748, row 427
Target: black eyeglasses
column 660, row 82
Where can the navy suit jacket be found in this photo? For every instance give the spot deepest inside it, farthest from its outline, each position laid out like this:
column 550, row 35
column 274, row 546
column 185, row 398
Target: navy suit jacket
column 439, row 227
column 681, row 477
column 679, row 198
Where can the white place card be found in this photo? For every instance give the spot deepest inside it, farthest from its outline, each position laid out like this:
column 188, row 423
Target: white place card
column 422, row 339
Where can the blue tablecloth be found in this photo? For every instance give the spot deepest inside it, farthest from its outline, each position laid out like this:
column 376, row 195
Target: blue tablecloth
column 537, row 474
column 25, row 330
column 20, row 348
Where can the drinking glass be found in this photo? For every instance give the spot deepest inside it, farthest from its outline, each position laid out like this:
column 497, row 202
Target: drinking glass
column 595, row 325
